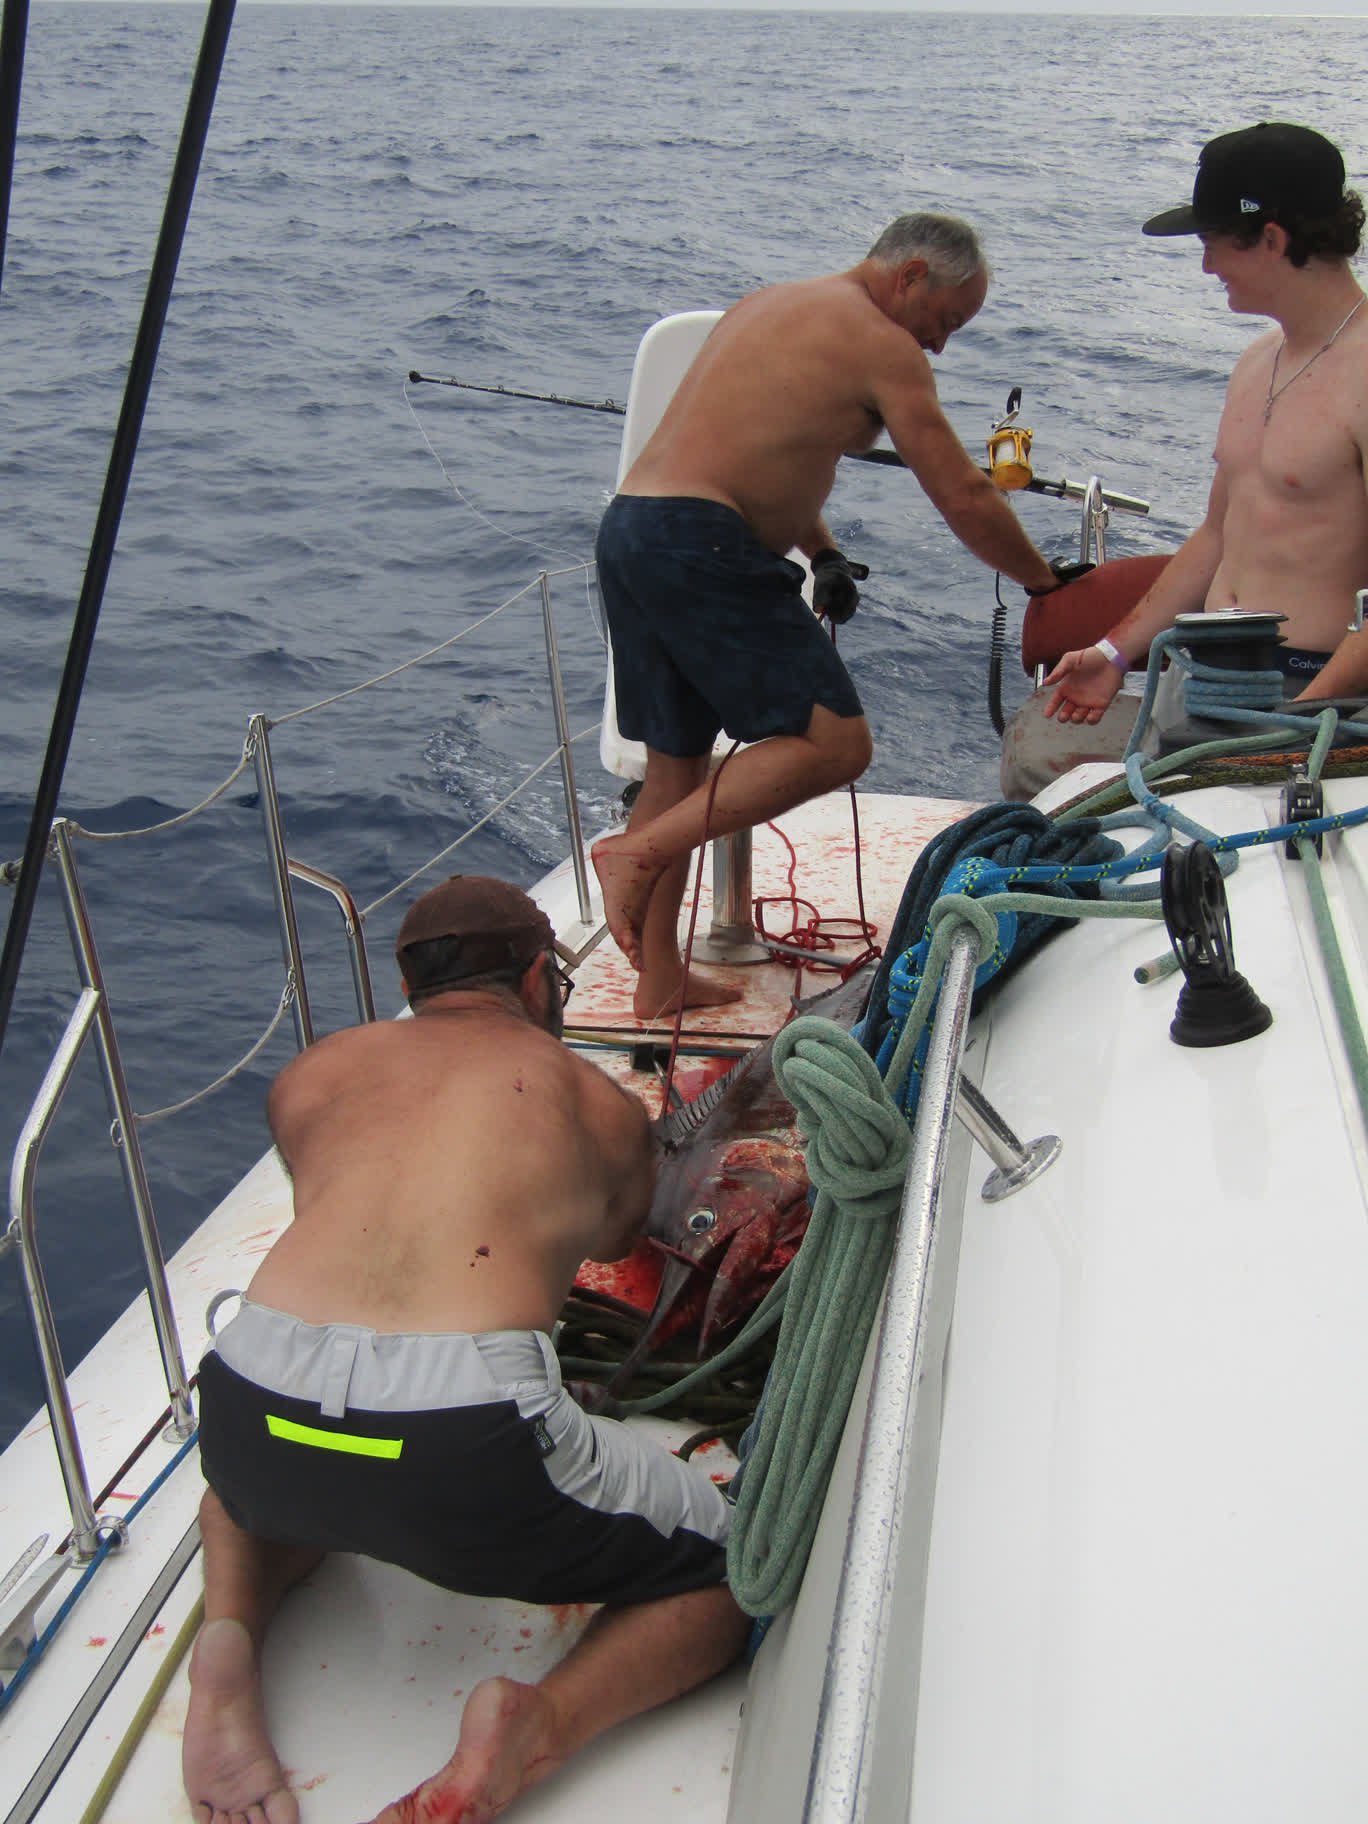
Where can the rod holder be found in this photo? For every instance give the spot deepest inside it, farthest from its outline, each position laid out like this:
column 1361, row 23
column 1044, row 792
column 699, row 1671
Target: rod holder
column 731, row 936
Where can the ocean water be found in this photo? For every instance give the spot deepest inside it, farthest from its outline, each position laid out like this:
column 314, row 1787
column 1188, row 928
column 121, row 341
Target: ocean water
column 510, row 196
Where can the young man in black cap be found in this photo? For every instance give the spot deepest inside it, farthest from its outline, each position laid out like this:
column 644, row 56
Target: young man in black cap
column 388, row 1385
column 1286, row 528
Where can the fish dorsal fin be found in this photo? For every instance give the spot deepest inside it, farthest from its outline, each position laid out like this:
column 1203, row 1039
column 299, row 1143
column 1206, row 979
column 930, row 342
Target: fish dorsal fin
column 677, row 1126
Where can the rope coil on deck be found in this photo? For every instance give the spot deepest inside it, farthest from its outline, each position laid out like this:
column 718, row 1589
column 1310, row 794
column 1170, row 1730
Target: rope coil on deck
column 856, row 1158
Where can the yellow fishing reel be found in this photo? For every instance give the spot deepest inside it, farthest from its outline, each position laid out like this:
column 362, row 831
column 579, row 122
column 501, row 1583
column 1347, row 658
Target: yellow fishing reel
column 1009, row 448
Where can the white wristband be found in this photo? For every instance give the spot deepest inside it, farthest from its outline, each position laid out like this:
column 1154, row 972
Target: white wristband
column 1112, row 655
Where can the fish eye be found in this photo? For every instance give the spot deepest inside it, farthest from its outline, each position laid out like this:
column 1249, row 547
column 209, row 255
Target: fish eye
column 701, row 1221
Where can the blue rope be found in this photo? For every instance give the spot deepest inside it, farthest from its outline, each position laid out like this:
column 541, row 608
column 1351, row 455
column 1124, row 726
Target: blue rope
column 106, row 1546
column 899, row 1026
column 1246, row 699
column 1016, row 838
column 1001, row 880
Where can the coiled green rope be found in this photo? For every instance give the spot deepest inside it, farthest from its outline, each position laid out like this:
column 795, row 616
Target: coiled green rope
column 856, row 1158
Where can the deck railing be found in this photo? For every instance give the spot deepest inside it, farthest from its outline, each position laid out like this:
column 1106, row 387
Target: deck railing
column 92, row 1014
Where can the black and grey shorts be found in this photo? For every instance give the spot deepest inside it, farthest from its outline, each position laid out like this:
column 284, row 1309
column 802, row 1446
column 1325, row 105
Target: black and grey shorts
column 460, row 1458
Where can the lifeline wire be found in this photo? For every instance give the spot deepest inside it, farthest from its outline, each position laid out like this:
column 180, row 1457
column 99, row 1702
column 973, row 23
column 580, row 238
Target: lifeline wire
column 44, row 1640
column 579, row 562
column 470, row 506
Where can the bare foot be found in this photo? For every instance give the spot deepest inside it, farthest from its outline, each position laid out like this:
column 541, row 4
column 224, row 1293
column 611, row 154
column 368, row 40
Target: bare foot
column 506, row 1745
column 627, row 881
column 656, row 995
column 228, row 1763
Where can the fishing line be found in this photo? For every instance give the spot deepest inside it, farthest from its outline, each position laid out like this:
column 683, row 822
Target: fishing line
column 470, row 506
column 486, row 521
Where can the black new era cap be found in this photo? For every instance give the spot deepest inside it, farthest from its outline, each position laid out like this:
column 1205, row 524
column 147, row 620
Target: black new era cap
column 1272, row 172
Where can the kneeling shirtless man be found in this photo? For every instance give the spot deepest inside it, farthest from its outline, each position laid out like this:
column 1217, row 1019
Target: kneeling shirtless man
column 389, row 1386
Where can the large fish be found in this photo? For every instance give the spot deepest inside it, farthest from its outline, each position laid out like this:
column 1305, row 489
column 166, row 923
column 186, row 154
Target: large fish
column 730, row 1183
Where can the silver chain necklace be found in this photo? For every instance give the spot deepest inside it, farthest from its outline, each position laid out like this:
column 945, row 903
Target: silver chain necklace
column 1276, row 393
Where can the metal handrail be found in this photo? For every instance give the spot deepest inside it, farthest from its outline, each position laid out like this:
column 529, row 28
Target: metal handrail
column 351, row 924
column 1065, row 489
column 125, row 1134
column 22, row 1235
column 259, row 746
column 898, row 1412
column 567, row 763
column 284, row 866
column 1094, row 521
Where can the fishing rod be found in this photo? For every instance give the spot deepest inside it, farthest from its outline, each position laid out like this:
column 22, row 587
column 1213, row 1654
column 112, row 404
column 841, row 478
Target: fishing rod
column 1036, row 484
column 138, row 385
column 509, row 392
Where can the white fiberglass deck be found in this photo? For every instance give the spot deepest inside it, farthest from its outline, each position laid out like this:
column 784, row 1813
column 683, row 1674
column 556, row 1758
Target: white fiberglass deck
column 1148, row 1592
column 367, row 1668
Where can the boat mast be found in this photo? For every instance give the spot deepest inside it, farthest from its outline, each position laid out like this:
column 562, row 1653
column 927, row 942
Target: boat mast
column 136, row 389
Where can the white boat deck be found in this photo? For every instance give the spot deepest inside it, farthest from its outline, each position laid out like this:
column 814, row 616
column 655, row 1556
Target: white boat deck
column 1148, row 1592
column 1146, row 1595
column 360, row 1645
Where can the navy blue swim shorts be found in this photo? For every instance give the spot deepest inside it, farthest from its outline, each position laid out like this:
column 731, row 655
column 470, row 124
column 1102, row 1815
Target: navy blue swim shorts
column 460, row 1458
column 709, row 629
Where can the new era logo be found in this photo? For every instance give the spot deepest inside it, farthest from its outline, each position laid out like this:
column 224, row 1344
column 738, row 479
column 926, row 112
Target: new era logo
column 1248, row 206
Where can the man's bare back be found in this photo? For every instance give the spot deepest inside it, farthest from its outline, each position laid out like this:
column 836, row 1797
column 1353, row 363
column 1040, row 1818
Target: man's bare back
column 796, row 376
column 450, row 1172
column 782, row 388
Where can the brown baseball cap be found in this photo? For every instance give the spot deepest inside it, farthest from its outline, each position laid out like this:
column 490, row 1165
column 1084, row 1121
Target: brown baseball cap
column 498, row 925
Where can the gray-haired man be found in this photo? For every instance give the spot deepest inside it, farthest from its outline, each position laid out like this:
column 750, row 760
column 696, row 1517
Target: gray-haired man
column 708, row 627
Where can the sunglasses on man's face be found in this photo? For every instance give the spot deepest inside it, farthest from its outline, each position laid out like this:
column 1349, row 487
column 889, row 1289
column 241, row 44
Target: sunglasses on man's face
column 567, row 983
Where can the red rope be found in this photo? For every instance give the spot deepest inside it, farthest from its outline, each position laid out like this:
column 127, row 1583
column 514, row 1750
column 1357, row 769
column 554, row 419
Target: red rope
column 819, row 934
column 816, row 935
column 667, row 1081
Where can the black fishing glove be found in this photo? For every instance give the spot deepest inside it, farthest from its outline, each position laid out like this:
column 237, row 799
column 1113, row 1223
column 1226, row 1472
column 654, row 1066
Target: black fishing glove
column 1064, row 573
column 834, row 578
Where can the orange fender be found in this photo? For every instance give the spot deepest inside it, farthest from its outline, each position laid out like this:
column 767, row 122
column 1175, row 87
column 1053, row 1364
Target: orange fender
column 1083, row 611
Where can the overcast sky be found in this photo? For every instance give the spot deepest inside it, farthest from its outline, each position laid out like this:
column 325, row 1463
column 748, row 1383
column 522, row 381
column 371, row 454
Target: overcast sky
column 1330, row 9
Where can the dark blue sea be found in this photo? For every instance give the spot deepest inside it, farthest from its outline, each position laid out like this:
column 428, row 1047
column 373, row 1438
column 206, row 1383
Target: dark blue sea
column 508, row 196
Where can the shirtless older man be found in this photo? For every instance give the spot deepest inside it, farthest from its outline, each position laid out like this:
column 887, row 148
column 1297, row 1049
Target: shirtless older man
column 1286, row 528
column 389, row 1386
column 708, row 626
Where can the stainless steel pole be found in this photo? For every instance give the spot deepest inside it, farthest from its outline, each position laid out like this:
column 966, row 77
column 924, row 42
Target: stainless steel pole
column 352, row 925
column 280, row 878
column 23, row 1234
column 125, row 1133
column 843, row 1752
column 567, row 763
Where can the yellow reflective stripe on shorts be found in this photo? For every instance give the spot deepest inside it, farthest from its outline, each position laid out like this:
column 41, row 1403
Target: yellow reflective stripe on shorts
column 333, row 1440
